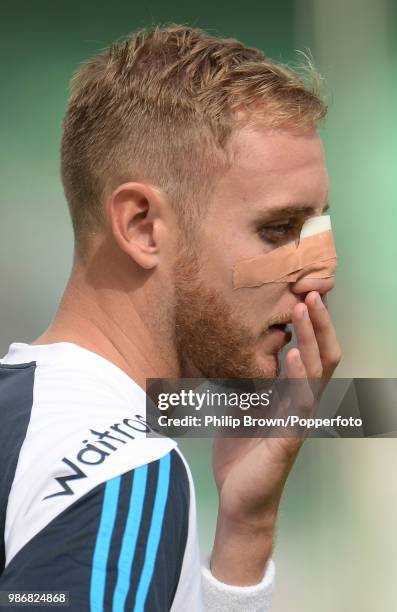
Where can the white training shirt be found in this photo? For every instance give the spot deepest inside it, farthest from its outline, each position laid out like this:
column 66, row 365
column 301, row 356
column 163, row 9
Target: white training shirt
column 88, row 503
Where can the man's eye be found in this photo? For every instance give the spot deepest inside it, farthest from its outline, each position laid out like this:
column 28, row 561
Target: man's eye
column 279, row 233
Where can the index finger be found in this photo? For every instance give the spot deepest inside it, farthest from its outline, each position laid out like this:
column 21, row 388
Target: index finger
column 330, row 352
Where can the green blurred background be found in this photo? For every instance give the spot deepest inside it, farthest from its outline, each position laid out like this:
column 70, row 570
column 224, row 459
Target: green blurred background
column 337, row 540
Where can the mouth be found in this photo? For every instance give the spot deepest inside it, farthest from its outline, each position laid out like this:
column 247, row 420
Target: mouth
column 282, row 329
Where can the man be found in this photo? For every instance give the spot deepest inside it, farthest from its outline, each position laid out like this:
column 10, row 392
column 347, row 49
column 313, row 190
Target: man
column 182, row 154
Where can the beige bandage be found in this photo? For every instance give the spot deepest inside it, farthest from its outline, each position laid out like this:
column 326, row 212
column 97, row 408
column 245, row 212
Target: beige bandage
column 313, row 257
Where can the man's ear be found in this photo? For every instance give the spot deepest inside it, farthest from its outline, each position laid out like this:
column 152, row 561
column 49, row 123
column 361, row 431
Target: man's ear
column 135, row 212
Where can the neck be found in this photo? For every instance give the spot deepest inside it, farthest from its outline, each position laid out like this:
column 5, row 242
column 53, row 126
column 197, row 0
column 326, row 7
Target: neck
column 115, row 323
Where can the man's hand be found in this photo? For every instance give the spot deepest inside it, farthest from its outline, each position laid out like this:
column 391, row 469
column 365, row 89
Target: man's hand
column 250, row 474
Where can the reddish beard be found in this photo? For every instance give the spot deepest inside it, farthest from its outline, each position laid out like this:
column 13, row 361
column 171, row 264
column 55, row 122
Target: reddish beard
column 210, row 340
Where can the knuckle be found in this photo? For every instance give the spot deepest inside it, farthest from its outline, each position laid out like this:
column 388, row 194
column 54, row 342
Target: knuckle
column 338, row 355
column 316, row 372
column 307, row 402
column 335, row 357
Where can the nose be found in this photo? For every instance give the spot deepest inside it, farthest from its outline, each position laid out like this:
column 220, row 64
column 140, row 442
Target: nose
column 304, row 285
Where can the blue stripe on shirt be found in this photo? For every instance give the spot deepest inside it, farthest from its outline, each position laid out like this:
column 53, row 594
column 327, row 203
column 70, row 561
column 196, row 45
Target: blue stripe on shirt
column 154, row 532
column 102, row 545
column 130, row 538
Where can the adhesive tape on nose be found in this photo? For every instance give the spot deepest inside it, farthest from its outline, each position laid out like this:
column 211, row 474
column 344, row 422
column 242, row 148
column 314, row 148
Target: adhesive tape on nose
column 313, row 257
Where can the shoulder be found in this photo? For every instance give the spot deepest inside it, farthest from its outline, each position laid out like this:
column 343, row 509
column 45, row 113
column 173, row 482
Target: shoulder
column 74, row 421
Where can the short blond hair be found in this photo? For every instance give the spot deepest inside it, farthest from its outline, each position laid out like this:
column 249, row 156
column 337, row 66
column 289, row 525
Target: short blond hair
column 160, row 107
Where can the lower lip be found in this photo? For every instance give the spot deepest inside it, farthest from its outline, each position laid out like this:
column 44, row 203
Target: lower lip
column 282, row 334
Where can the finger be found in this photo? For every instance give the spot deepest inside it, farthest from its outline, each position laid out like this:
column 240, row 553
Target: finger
column 295, row 370
column 294, row 367
column 327, row 342
column 307, row 341
column 300, row 394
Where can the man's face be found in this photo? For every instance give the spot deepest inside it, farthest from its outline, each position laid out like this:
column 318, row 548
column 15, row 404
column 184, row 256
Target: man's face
column 278, row 179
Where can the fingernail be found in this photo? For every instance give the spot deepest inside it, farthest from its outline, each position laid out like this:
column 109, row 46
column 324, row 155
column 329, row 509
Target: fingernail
column 305, row 314
column 298, row 360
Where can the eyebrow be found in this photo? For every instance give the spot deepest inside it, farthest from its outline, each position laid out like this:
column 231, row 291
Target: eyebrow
column 291, row 210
